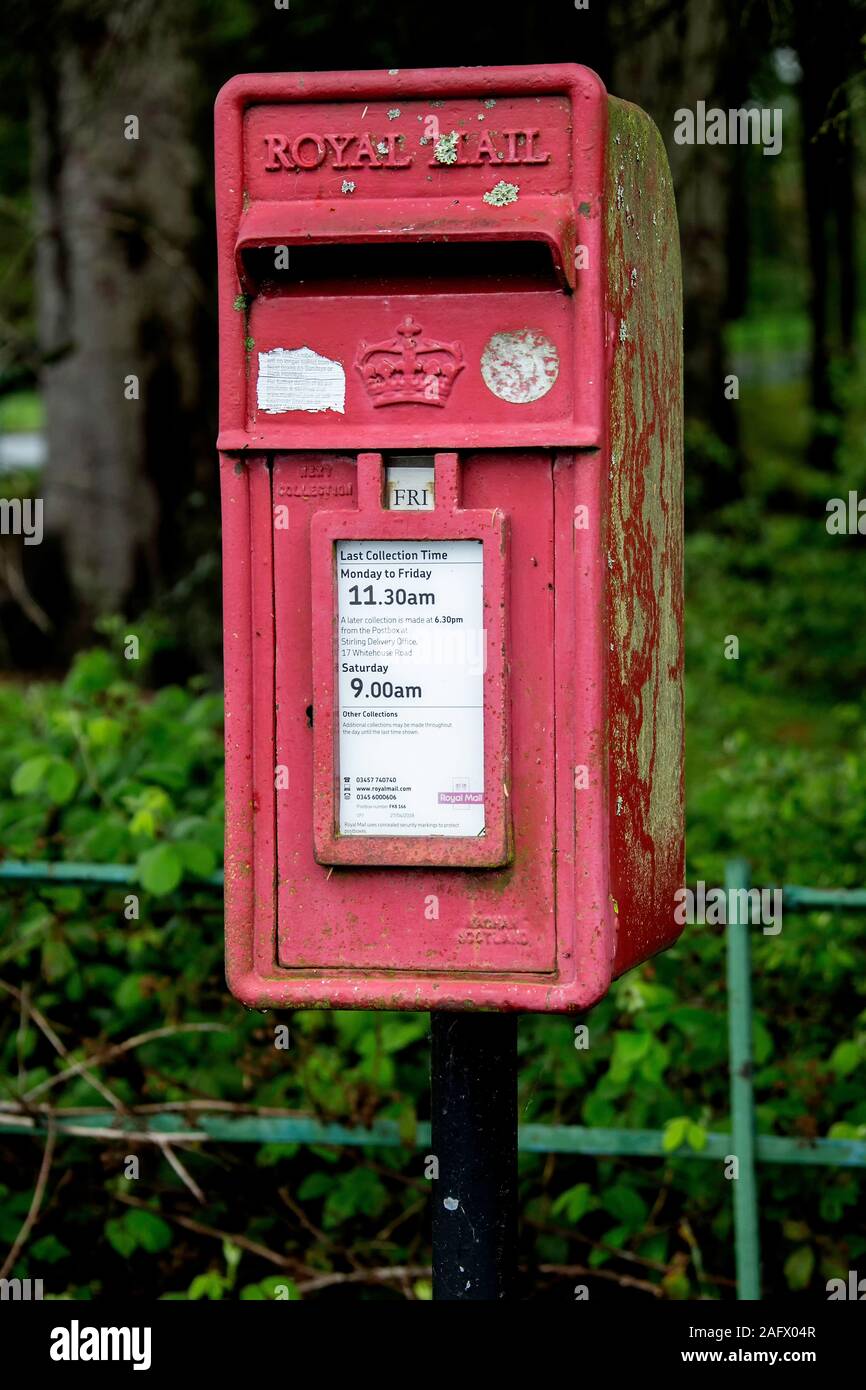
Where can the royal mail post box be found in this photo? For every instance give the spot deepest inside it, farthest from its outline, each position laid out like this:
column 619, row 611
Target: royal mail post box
column 450, row 441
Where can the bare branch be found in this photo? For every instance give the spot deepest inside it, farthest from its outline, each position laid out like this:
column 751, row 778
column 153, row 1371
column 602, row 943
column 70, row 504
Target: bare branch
column 81, row 1068
column 117, row 1049
column 36, row 1203
column 186, row 1178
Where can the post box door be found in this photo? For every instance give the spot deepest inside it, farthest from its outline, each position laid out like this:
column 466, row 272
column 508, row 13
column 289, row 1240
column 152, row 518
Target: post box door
column 449, row 914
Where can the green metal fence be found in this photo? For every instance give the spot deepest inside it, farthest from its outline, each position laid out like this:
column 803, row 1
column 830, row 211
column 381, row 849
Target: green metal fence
column 741, row 1143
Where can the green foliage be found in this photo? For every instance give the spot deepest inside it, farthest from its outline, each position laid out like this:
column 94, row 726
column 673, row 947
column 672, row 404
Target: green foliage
column 20, row 411
column 137, row 1229
column 98, row 771
column 97, row 768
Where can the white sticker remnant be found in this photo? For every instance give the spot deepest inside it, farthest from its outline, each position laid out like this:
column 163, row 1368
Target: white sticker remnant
column 299, row 379
column 520, row 367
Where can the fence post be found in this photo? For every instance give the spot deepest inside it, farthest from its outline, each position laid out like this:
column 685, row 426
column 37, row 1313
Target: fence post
column 746, row 1230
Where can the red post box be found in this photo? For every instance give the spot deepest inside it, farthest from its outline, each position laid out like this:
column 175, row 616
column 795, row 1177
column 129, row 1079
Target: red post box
column 451, row 452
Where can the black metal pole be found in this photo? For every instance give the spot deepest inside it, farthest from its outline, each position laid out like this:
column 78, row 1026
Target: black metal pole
column 473, row 1075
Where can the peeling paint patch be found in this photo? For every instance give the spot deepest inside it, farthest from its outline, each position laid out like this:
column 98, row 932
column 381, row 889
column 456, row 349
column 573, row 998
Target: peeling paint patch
column 501, row 194
column 347, row 186
column 393, row 113
column 299, row 379
column 520, row 367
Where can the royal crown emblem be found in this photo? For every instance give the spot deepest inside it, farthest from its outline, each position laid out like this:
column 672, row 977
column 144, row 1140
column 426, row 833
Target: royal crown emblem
column 409, row 369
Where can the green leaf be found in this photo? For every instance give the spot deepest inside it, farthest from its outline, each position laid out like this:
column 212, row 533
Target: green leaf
column 574, row 1203
column 357, row 1193
column 626, row 1205
column 61, row 781
column 696, row 1136
column 830, row 1208
column 762, row 1040
column 119, row 1236
column 270, row 1154
column 315, row 1185
column 617, row 1236
column 143, row 823
column 799, row 1266
column 407, row 1124
column 128, row 995
column 48, row 1250
column 104, row 733
column 92, row 672
column 210, row 1285
column 273, row 1286
column 160, row 869
column 628, row 1050
column 28, row 775
column 196, row 857
column 232, row 1256
column 57, row 960
column 675, row 1133
column 149, row 1230
column 676, row 1285
column 397, row 1034
column 795, row 1230
column 846, row 1057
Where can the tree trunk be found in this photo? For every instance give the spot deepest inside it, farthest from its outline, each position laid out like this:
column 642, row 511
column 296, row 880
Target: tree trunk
column 828, row 55
column 115, row 296
column 667, row 56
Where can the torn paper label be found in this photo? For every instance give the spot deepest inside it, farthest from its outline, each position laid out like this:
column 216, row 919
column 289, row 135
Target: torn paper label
column 299, row 379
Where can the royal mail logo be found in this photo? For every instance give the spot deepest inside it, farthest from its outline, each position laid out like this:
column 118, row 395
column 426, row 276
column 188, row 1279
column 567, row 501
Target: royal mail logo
column 352, row 150
column 461, row 794
column 408, row 369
